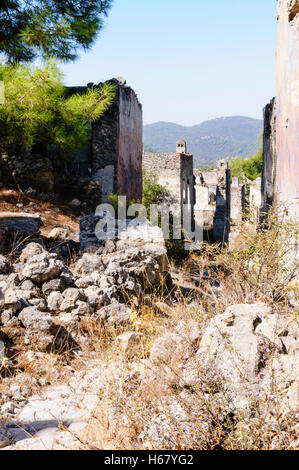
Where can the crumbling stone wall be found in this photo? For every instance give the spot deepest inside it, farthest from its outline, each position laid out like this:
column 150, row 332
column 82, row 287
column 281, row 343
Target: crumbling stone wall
column 269, row 156
column 223, row 203
column 205, row 200
column 116, row 146
column 255, row 198
column 237, row 200
column 287, row 102
column 175, row 172
column 110, row 163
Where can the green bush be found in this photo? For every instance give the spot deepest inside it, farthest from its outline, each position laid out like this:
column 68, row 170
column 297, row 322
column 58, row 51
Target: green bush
column 251, row 167
column 153, row 192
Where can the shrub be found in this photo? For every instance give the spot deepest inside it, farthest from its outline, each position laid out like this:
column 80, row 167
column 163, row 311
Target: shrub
column 252, row 167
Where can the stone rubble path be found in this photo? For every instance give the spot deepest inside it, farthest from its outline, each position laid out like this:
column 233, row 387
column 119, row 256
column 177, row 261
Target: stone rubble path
column 51, row 420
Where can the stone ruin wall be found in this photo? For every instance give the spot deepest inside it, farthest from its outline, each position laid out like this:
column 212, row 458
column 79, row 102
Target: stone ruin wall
column 110, row 163
column 116, row 146
column 216, row 202
column 175, row 173
column 205, row 201
column 222, row 220
column 287, row 102
column 280, row 181
column 269, row 156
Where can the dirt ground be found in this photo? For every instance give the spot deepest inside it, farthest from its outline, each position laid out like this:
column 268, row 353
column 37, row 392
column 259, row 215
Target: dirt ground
column 53, row 214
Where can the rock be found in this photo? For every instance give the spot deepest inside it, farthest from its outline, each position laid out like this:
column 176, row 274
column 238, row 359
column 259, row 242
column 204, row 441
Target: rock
column 94, row 279
column 40, row 304
column 81, row 309
column 89, row 264
column 55, row 300
column 41, row 268
column 54, row 285
column 115, row 313
column 6, row 316
column 12, row 301
column 58, row 233
column 75, row 203
column 244, row 346
column 22, row 224
column 32, row 249
column 34, row 319
column 93, row 295
column 4, row 265
column 129, row 343
column 70, row 298
column 168, row 348
column 28, row 286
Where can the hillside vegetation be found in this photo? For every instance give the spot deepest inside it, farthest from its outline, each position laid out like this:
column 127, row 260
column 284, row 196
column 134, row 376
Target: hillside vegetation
column 209, row 141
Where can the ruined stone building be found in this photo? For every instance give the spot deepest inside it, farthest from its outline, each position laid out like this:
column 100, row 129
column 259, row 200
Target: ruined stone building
column 213, row 202
column 238, row 200
column 280, row 183
column 208, row 193
column 111, row 162
column 175, row 172
column 114, row 156
column 205, row 200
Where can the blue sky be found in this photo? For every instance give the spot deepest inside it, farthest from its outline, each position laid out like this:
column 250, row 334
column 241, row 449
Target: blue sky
column 188, row 60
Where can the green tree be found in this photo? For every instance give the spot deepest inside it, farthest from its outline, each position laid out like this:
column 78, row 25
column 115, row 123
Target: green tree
column 252, row 167
column 153, row 192
column 51, row 28
column 36, row 112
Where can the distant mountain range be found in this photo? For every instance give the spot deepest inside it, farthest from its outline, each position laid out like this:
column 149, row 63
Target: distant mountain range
column 209, row 141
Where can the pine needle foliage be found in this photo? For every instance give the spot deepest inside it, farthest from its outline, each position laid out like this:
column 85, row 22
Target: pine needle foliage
column 36, row 111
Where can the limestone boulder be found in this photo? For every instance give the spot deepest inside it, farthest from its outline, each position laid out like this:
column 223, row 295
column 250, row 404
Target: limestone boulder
column 246, row 349
column 115, row 314
column 69, row 299
column 54, row 301
column 34, row 319
column 41, row 268
column 32, row 249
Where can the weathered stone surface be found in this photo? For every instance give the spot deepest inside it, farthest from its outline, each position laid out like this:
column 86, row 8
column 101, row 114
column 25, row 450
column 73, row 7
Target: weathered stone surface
column 4, row 265
column 175, row 173
column 4, row 436
column 245, row 347
column 34, row 319
column 32, row 249
column 55, row 300
column 287, row 102
column 268, row 187
column 81, row 309
column 19, row 223
column 221, row 227
column 58, row 233
column 41, row 268
column 70, row 297
column 88, row 264
column 115, row 313
column 93, row 295
column 12, row 300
